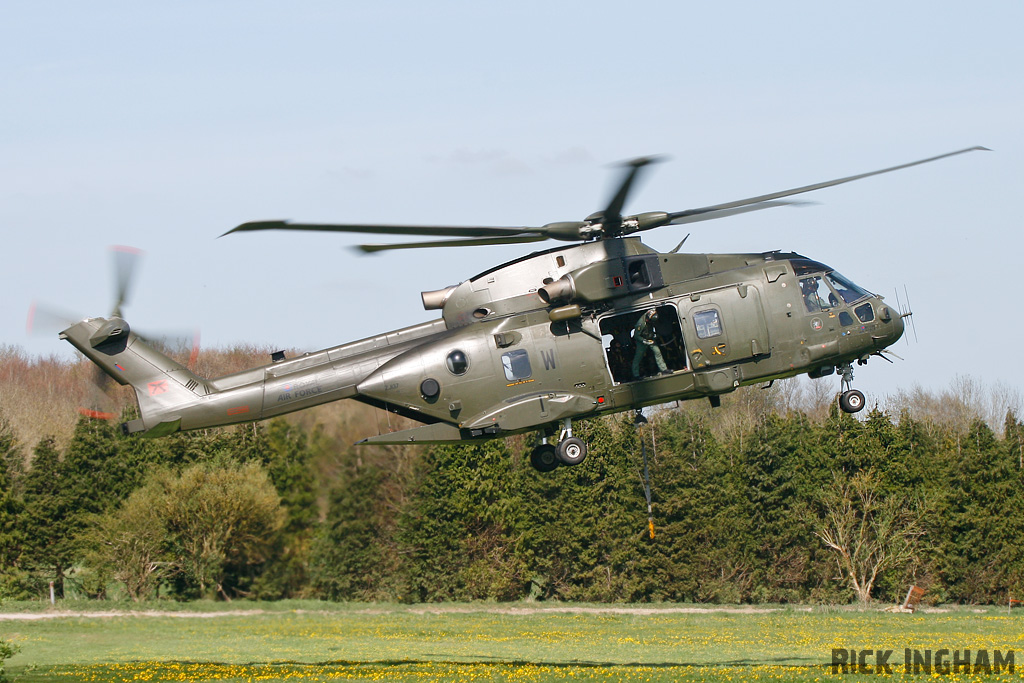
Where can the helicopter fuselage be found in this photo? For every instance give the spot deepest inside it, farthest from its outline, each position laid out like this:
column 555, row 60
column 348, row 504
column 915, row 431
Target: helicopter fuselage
column 526, row 346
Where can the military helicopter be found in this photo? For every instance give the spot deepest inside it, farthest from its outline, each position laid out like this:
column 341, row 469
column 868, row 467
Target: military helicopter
column 603, row 325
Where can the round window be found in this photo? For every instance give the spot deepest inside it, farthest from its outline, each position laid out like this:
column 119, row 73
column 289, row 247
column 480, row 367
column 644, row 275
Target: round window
column 457, row 363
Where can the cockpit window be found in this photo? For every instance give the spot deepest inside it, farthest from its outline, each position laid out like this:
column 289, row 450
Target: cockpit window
column 804, row 266
column 864, row 313
column 846, row 289
column 817, row 295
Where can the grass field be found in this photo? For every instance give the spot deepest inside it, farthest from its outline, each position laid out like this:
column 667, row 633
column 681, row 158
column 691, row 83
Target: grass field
column 313, row 641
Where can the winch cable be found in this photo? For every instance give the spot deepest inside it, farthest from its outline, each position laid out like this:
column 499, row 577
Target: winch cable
column 639, row 422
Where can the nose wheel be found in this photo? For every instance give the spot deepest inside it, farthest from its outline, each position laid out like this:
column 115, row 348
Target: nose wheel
column 569, row 451
column 850, row 400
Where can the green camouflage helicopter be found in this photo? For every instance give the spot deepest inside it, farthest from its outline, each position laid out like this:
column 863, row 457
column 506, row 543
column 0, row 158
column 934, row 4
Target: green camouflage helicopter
column 603, row 325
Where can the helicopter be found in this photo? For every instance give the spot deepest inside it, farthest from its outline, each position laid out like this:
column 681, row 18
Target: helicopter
column 602, row 325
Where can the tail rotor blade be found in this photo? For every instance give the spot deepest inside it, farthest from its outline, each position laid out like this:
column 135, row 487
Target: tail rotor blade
column 98, row 403
column 179, row 343
column 43, row 319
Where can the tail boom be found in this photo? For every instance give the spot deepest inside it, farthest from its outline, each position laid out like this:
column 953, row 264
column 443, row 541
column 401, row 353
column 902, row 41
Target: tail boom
column 172, row 398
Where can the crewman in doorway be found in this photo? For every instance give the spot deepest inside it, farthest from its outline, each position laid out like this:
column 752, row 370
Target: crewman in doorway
column 645, row 338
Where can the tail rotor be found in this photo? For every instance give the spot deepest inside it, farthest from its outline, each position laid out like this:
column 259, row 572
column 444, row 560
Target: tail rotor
column 43, row 319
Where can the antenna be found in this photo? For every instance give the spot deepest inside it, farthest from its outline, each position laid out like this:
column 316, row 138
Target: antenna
column 908, row 313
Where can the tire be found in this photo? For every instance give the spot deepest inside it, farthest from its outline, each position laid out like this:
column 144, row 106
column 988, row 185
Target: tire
column 851, row 401
column 544, row 458
column 572, row 451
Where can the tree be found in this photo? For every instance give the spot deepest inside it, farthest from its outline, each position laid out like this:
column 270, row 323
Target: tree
column 131, row 545
column 48, row 516
column 349, row 557
column 286, row 453
column 217, row 518
column 457, row 526
column 984, row 518
column 12, row 537
column 697, row 552
column 780, row 464
column 869, row 532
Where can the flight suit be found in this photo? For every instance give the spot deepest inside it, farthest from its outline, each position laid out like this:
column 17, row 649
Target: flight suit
column 645, row 338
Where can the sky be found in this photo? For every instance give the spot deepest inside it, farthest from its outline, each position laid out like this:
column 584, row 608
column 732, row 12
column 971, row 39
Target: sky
column 162, row 125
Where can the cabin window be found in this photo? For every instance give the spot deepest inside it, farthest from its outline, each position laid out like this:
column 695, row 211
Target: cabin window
column 864, row 313
column 457, row 362
column 516, row 364
column 707, row 324
column 845, row 319
column 623, row 334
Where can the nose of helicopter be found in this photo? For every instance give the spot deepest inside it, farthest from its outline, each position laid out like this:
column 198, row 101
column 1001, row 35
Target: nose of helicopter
column 892, row 326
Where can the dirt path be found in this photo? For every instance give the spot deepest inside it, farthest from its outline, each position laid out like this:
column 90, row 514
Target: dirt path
column 433, row 609
column 67, row 614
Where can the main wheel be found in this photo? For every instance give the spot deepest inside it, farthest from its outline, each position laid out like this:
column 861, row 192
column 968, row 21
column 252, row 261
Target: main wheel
column 544, row 458
column 572, row 451
column 851, row 401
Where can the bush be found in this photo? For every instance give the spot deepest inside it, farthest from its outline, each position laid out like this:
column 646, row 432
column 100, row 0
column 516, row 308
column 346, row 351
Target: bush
column 7, row 650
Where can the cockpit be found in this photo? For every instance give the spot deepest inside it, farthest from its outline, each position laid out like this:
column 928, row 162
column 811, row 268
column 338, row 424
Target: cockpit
column 823, row 289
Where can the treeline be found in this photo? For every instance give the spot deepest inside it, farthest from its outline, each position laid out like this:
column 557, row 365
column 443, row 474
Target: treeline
column 753, row 502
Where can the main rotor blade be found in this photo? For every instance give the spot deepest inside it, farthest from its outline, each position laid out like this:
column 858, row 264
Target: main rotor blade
column 722, row 213
column 432, row 230
column 673, row 217
column 473, row 242
column 612, row 216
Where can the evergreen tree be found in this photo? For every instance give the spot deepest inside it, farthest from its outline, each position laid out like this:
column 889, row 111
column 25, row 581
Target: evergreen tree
column 287, row 455
column 12, row 537
column 350, row 558
column 48, row 522
column 980, row 529
column 458, row 525
column 777, row 481
column 698, row 552
column 581, row 527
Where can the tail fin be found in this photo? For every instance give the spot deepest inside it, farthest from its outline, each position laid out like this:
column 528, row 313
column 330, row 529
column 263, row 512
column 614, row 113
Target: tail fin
column 163, row 387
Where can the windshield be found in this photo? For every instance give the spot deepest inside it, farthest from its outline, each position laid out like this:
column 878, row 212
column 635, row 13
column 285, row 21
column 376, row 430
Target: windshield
column 844, row 288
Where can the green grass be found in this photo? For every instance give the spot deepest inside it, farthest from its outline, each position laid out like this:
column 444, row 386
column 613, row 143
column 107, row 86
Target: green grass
column 504, row 642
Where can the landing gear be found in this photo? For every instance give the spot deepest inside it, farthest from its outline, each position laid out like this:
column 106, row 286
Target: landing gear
column 570, row 450
column 850, row 400
column 544, row 458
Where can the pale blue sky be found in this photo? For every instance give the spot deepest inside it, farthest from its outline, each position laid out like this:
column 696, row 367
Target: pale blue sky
column 161, row 125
